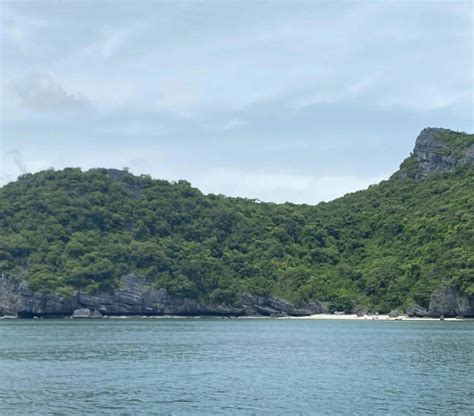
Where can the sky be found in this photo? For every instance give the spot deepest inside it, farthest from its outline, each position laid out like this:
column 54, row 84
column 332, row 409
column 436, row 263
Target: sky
column 274, row 100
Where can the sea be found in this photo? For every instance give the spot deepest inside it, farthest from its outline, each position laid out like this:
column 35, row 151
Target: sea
column 197, row 366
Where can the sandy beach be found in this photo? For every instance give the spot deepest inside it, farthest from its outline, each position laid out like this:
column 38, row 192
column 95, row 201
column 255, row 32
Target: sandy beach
column 354, row 317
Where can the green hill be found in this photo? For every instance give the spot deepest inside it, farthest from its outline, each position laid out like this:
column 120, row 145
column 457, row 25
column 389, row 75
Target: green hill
column 386, row 247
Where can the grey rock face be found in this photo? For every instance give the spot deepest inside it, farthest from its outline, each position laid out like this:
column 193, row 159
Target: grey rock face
column 448, row 302
column 138, row 296
column 96, row 314
column 273, row 306
column 17, row 299
column 434, row 155
column 81, row 313
column 393, row 314
column 416, row 310
column 135, row 296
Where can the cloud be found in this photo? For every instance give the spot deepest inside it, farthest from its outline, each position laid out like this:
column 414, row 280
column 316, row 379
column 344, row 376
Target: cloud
column 41, row 92
column 19, row 29
column 281, row 186
column 104, row 93
column 430, row 98
column 291, row 101
column 336, row 94
column 266, row 184
column 177, row 95
column 110, row 43
column 225, row 125
column 15, row 162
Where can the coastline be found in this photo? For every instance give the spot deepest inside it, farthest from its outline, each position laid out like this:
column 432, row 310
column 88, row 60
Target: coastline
column 315, row 317
column 330, row 317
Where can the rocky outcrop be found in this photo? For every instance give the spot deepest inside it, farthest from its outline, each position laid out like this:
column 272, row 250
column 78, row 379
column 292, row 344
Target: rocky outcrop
column 448, row 301
column 136, row 296
column 82, row 313
column 273, row 306
column 416, row 310
column 436, row 155
column 16, row 298
column 393, row 314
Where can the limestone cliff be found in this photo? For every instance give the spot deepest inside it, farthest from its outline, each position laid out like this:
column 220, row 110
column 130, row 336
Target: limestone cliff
column 136, row 296
column 446, row 301
column 438, row 150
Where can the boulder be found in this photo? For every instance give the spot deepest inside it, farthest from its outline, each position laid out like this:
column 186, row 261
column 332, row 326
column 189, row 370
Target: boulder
column 96, row 314
column 81, row 313
column 416, row 310
column 360, row 310
column 393, row 314
column 448, row 301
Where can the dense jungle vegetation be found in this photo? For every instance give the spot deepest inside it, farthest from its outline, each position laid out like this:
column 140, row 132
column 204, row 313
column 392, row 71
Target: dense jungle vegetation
column 384, row 247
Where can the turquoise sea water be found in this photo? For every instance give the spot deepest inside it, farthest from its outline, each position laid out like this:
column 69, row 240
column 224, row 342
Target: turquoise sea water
column 235, row 366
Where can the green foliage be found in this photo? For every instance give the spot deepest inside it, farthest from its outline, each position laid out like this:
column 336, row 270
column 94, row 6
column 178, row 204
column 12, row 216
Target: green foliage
column 383, row 247
column 456, row 142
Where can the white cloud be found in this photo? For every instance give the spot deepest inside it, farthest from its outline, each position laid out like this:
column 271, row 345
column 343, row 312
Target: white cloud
column 226, row 125
column 339, row 93
column 259, row 85
column 136, row 129
column 430, row 97
column 108, row 93
column 281, row 187
column 176, row 95
column 110, row 42
column 20, row 30
column 41, row 92
column 265, row 185
column 141, row 160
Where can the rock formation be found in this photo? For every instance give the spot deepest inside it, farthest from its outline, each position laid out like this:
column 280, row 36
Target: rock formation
column 136, row 296
column 435, row 155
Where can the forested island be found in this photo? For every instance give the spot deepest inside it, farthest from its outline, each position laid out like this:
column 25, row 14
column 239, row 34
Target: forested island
column 114, row 243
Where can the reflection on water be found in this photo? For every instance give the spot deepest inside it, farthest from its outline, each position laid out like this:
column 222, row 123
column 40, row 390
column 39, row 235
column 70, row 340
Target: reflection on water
column 206, row 366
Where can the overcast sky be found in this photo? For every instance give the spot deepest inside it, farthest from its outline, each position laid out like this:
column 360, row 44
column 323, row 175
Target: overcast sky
column 276, row 100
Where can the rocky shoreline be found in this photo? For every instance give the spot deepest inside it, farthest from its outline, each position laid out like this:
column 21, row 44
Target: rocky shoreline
column 138, row 297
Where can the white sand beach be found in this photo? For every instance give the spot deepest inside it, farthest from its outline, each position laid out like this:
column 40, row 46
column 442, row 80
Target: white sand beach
column 354, row 317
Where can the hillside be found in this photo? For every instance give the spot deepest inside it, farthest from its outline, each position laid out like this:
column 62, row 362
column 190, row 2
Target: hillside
column 406, row 241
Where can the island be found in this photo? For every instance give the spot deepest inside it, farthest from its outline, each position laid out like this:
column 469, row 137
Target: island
column 107, row 243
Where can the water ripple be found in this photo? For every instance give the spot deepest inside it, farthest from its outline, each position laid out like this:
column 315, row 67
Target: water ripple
column 277, row 367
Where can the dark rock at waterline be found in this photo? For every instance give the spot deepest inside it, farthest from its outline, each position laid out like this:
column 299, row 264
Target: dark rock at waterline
column 96, row 314
column 86, row 313
column 136, row 296
column 271, row 305
column 448, row 301
column 445, row 301
column 81, row 313
column 16, row 298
